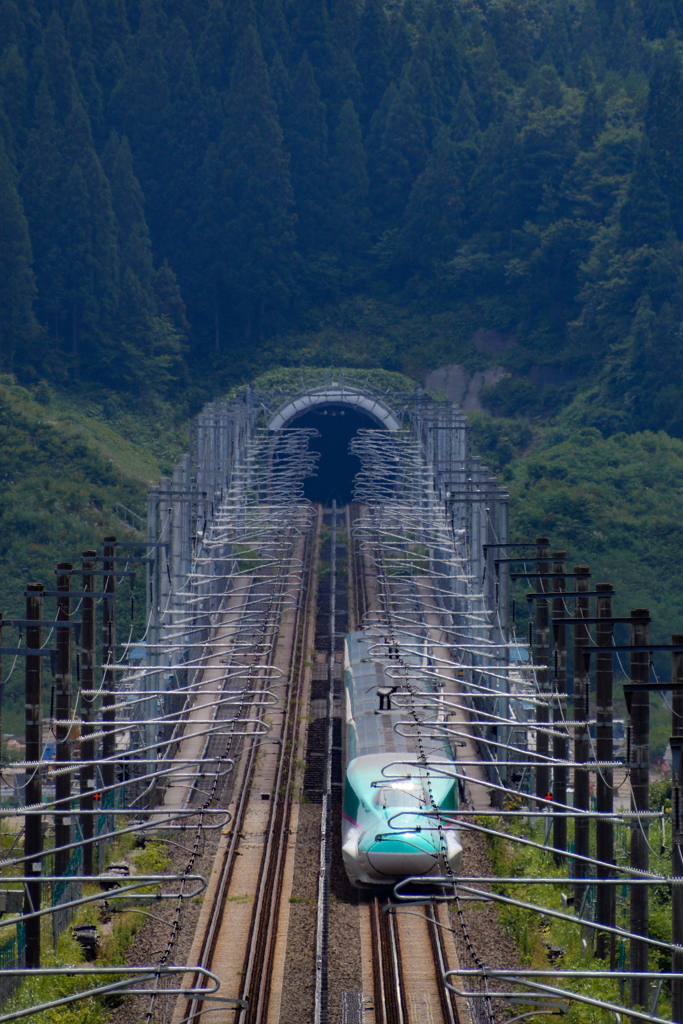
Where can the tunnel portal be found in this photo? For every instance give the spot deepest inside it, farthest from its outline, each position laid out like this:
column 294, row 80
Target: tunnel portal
column 337, row 425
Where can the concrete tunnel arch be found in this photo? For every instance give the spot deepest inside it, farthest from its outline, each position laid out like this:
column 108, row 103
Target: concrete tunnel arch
column 336, row 412
column 373, row 407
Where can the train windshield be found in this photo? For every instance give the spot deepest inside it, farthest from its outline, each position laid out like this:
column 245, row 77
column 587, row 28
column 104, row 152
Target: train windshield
column 401, row 794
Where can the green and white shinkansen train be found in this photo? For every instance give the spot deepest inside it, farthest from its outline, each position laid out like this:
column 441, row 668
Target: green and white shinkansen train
column 398, row 807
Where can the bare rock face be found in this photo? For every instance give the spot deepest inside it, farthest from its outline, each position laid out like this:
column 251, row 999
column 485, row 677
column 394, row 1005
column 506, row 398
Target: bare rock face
column 491, row 342
column 461, row 387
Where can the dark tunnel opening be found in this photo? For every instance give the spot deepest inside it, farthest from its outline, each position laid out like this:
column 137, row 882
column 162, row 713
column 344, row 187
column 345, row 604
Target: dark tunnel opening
column 337, row 467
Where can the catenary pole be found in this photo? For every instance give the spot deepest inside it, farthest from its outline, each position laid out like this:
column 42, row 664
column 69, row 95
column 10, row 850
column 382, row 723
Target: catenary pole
column 63, row 711
column 559, row 676
column 2, row 694
column 108, row 668
column 33, row 836
column 640, row 801
column 88, row 680
column 542, row 709
column 604, row 751
column 108, row 661
column 581, row 716
column 677, row 836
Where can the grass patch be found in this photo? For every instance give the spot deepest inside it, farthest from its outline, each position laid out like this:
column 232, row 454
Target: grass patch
column 544, row 942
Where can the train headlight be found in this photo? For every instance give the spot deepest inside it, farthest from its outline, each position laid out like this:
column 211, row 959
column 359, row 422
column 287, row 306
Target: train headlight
column 350, row 847
column 453, row 850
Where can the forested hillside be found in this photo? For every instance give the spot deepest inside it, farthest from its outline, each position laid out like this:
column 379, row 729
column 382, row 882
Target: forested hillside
column 193, row 191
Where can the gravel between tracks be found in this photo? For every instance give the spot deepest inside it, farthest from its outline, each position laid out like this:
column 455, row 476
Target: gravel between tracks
column 299, row 983
column 345, row 970
column 344, row 935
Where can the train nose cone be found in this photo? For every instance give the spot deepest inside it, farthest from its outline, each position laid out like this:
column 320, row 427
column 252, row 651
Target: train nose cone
column 397, row 857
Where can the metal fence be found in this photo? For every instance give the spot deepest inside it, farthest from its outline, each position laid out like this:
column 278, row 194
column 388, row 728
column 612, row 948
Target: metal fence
column 70, row 888
column 12, row 956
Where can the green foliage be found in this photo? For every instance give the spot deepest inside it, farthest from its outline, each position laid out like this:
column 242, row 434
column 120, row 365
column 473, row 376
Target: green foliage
column 152, row 860
column 289, row 168
column 644, row 215
column 544, row 942
column 288, row 378
column 433, row 215
column 193, row 196
column 350, row 184
column 500, row 441
column 68, row 477
column 613, row 503
column 37, row 990
column 18, row 326
column 248, row 202
column 306, row 139
column 114, row 946
column 660, row 795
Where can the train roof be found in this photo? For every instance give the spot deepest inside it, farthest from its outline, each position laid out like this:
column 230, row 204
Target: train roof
column 364, row 670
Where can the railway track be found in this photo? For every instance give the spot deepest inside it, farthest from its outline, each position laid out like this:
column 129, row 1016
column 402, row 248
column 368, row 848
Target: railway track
column 243, row 939
column 263, row 779
column 440, row 662
column 410, row 947
column 258, row 967
column 410, row 956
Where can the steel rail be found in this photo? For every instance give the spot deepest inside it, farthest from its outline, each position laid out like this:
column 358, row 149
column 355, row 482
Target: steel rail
column 389, row 989
column 378, row 974
column 448, row 1007
column 210, row 938
column 388, row 980
column 320, row 1001
column 389, row 589
column 257, row 971
column 390, row 985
